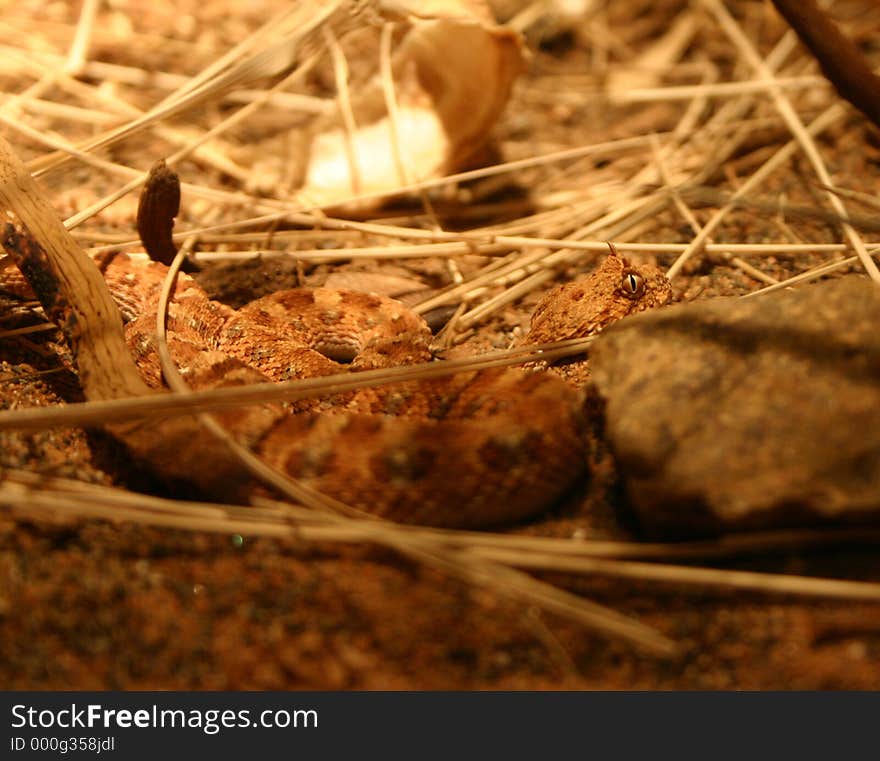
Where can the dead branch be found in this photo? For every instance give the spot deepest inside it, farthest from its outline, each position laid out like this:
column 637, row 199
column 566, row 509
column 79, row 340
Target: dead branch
column 841, row 61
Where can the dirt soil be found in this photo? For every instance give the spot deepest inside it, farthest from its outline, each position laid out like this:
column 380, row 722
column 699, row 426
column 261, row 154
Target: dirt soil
column 89, row 604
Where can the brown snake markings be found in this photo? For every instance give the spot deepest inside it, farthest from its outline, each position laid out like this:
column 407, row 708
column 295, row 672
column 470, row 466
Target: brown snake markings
column 468, row 450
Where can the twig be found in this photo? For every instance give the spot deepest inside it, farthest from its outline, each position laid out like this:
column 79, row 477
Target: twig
column 839, row 58
column 159, row 205
column 67, row 283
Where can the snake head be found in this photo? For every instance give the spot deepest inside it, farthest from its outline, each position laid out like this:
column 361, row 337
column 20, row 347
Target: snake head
column 584, row 307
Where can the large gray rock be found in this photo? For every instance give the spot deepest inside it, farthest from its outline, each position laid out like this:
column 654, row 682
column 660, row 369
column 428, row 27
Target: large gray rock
column 733, row 414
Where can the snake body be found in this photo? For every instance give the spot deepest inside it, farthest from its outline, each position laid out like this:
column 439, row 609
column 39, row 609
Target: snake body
column 469, row 450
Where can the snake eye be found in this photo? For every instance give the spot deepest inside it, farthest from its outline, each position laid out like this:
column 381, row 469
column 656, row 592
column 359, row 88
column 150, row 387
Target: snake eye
column 632, row 285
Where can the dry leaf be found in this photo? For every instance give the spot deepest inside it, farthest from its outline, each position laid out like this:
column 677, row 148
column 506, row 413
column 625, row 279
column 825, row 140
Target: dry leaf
column 452, row 77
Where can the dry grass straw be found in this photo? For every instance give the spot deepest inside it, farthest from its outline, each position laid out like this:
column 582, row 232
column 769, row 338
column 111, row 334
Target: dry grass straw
column 643, row 176
column 162, row 405
column 803, row 137
column 31, row 495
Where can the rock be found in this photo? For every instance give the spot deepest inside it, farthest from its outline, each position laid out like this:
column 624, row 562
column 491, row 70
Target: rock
column 742, row 414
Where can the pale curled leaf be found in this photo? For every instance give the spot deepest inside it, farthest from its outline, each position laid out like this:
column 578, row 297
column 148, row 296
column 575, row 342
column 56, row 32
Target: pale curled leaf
column 452, row 79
